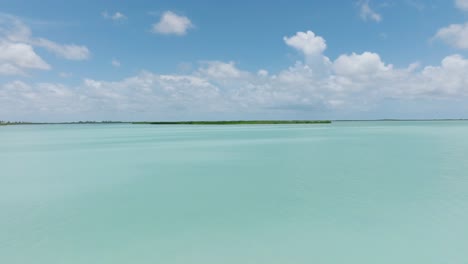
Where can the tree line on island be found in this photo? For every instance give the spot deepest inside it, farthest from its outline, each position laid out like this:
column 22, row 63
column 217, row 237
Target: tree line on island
column 234, row 122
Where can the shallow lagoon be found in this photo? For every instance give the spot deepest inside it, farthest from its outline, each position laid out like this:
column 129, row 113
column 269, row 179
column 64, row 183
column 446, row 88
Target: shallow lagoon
column 348, row 192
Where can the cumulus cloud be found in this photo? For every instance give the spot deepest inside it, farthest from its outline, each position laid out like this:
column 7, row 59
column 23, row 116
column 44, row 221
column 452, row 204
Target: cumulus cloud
column 220, row 70
column 365, row 64
column 357, row 83
column 17, row 47
column 455, row 35
column 307, row 42
column 351, row 83
column 462, row 4
column 367, row 13
column 17, row 54
column 448, row 79
column 117, row 16
column 172, row 23
column 14, row 57
column 312, row 46
column 20, row 97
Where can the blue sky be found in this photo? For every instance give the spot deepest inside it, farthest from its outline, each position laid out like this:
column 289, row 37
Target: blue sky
column 178, row 60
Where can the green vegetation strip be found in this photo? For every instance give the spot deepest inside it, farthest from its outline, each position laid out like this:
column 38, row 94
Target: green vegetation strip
column 241, row 122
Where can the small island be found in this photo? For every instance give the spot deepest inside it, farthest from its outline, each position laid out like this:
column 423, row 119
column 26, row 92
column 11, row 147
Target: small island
column 237, row 122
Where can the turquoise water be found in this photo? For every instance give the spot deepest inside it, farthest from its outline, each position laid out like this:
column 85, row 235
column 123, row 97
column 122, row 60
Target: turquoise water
column 349, row 192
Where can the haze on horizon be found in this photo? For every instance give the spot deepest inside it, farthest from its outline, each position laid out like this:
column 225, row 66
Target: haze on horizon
column 212, row 60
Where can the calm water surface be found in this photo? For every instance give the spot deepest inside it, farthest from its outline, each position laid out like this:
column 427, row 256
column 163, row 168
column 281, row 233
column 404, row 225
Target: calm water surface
column 350, row 192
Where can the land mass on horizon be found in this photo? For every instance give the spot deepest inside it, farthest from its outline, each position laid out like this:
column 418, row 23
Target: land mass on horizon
column 219, row 122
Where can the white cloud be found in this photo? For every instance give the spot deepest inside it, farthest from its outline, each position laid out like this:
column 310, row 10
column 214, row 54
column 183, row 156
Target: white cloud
column 17, row 48
column 115, row 63
column 172, row 23
column 365, row 64
column 117, row 16
column 9, row 69
column 455, row 35
column 220, row 70
column 39, row 98
column 312, row 46
column 151, row 92
column 307, row 42
column 357, row 82
column 367, row 13
column 13, row 29
column 462, row 4
column 17, row 55
column 449, row 78
column 69, row 52
column 262, row 73
column 14, row 57
column 351, row 83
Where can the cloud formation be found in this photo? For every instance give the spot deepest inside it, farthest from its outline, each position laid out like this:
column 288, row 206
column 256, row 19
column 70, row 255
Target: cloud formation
column 172, row 24
column 16, row 57
column 312, row 47
column 351, row 83
column 367, row 13
column 455, row 35
column 67, row 51
column 307, row 42
column 17, row 46
column 355, row 65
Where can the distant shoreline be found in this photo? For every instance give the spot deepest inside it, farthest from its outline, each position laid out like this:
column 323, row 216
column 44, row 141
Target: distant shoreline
column 63, row 123
column 237, row 122
column 230, row 122
column 398, row 120
column 224, row 122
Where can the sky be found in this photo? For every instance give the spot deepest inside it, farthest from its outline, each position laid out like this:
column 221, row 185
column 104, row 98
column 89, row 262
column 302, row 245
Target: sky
column 228, row 60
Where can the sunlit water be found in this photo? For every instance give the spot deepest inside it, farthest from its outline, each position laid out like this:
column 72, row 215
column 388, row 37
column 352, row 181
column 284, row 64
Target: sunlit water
column 349, row 192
